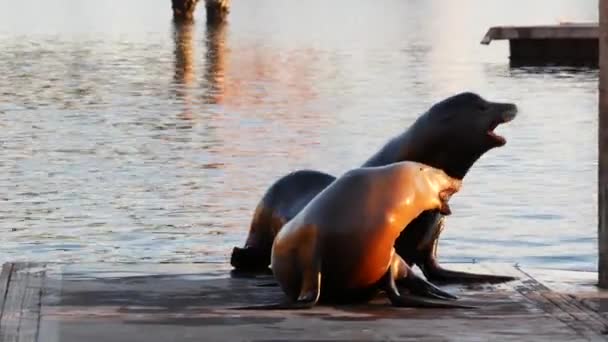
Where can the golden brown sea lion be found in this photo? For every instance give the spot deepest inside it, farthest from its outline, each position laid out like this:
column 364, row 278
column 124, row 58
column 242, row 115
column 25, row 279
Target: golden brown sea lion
column 340, row 246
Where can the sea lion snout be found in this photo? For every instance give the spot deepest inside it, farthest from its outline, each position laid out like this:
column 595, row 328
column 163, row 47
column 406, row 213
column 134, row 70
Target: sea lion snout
column 502, row 113
column 510, row 112
column 446, row 194
column 506, row 112
column 441, row 185
column 444, row 198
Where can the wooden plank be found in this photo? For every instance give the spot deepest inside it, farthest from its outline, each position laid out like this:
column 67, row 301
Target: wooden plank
column 130, row 302
column 5, row 277
column 9, row 326
column 603, row 149
column 21, row 315
column 568, row 31
column 30, row 309
column 565, row 308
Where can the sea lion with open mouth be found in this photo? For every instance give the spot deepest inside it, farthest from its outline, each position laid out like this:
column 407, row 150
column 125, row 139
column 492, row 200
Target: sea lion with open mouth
column 451, row 135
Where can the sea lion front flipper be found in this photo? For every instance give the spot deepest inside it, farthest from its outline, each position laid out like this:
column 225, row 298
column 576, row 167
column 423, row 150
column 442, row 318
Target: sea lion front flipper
column 405, row 278
column 411, row 301
column 310, row 289
column 437, row 274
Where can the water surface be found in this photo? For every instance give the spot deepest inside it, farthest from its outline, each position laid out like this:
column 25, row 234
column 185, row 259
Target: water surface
column 126, row 138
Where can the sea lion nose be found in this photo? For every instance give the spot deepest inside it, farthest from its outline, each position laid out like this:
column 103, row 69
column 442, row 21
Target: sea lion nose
column 509, row 112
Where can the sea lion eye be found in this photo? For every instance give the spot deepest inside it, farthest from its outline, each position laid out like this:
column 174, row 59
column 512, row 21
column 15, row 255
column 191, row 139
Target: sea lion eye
column 482, row 106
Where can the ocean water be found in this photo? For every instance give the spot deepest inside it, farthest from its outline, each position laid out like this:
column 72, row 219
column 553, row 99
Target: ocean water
column 126, row 138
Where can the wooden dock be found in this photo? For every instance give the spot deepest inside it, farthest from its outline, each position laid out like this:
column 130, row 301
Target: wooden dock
column 191, row 302
column 565, row 44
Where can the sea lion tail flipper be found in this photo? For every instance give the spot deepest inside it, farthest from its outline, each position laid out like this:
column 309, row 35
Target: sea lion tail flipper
column 412, row 301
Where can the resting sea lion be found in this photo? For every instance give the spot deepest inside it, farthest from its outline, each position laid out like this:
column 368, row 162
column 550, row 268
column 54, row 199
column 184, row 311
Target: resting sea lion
column 452, row 135
column 340, row 246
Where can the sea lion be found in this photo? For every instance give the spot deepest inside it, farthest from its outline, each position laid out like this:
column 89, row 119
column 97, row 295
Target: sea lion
column 340, row 246
column 451, row 135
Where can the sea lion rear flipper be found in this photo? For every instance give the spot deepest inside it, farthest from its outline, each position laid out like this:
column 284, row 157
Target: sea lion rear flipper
column 278, row 306
column 412, row 301
column 441, row 275
column 271, row 284
column 421, row 287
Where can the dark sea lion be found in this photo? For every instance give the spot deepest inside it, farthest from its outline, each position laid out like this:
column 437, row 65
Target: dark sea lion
column 452, row 135
column 339, row 248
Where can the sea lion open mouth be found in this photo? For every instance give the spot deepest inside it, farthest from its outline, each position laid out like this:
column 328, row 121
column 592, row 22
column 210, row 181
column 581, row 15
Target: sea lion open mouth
column 500, row 140
column 445, row 209
column 509, row 115
column 445, row 196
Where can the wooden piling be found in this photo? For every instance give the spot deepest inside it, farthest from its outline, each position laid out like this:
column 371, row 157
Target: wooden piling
column 217, row 10
column 603, row 147
column 183, row 10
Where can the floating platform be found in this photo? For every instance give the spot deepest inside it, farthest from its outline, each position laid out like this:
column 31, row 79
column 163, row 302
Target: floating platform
column 192, row 302
column 565, row 44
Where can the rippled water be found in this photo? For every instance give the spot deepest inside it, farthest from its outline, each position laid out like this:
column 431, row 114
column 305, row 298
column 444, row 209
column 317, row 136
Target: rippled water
column 125, row 138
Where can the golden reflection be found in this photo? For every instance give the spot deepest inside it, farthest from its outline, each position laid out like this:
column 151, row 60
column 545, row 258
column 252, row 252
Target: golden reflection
column 259, row 104
column 184, row 75
column 257, row 75
column 216, row 55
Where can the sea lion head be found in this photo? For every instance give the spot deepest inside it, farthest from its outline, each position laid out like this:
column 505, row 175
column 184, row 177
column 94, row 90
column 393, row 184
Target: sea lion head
column 434, row 187
column 460, row 129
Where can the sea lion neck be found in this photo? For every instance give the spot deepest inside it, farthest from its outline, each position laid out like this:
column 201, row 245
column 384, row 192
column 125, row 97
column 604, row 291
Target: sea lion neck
column 425, row 144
